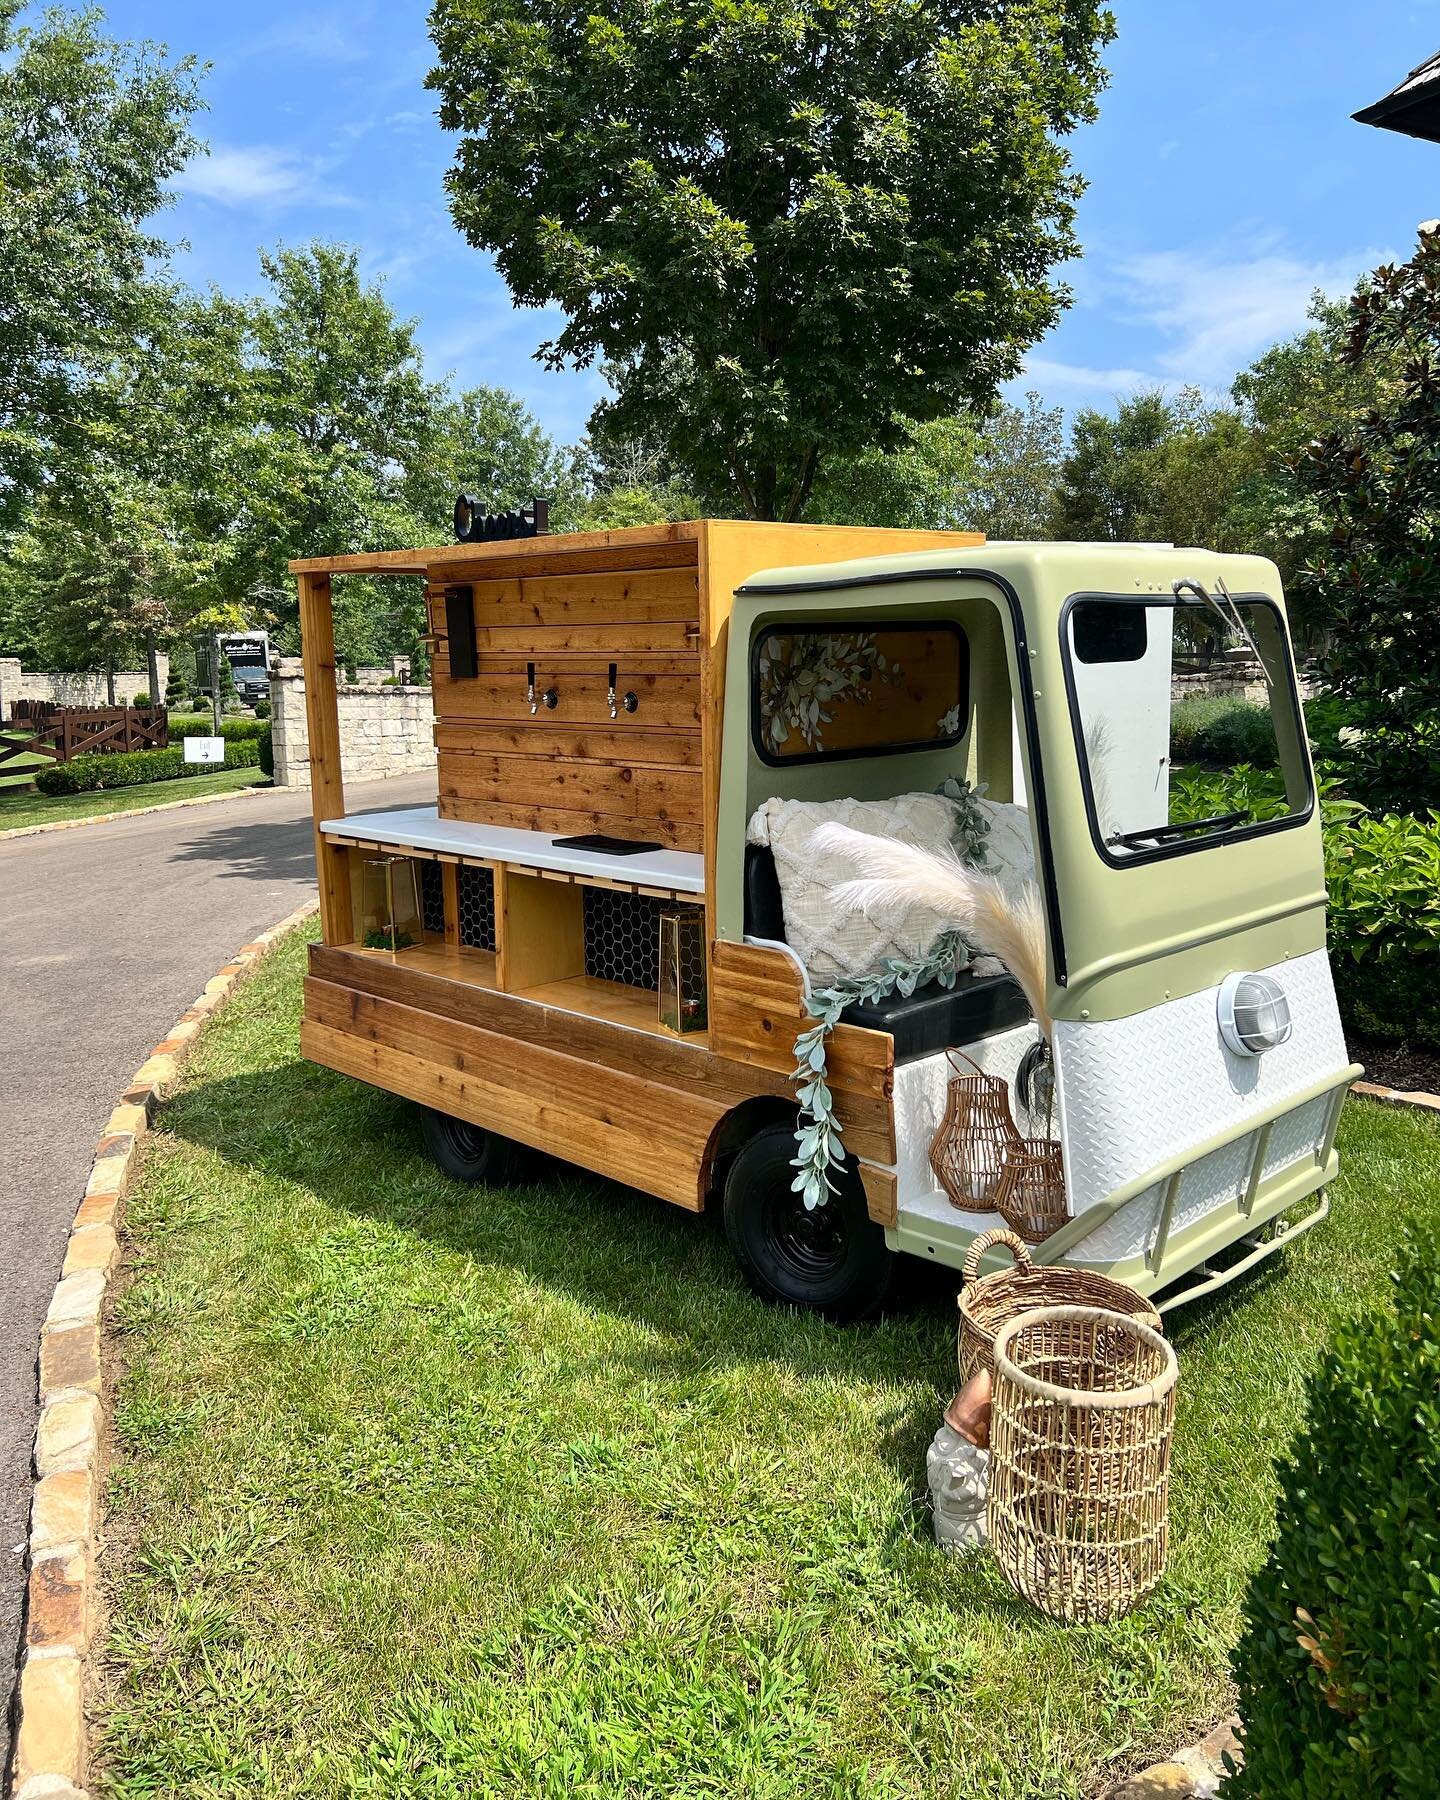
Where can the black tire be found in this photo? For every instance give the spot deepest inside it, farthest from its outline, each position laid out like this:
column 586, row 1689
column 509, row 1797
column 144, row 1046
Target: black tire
column 833, row 1260
column 468, row 1152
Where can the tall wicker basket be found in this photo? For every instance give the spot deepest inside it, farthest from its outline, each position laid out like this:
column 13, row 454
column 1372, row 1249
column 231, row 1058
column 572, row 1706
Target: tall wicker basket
column 968, row 1151
column 1078, row 1509
column 989, row 1301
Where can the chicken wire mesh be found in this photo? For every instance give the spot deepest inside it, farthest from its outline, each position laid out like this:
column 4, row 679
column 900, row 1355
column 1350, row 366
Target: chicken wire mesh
column 432, row 898
column 622, row 939
column 475, row 890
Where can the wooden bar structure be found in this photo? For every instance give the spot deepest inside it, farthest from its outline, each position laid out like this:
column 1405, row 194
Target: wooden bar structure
column 579, row 689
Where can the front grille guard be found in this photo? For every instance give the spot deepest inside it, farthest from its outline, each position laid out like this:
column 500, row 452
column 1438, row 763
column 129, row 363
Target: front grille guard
column 1262, row 1183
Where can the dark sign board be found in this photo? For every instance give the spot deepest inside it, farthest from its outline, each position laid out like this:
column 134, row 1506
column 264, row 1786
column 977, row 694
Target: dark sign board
column 473, row 525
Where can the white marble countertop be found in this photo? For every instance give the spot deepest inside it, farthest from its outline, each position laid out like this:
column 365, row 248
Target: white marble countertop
column 422, row 828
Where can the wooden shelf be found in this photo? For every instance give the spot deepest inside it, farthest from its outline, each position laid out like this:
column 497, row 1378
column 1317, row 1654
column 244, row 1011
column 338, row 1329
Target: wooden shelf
column 635, row 1008
column 476, row 968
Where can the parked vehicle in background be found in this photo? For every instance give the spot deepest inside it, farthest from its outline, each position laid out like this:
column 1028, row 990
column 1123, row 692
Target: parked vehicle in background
column 248, row 654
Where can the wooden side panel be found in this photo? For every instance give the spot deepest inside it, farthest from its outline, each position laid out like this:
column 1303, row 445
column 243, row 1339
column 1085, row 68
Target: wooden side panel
column 673, row 1064
column 881, row 1194
column 327, row 788
column 617, row 1124
column 757, row 1009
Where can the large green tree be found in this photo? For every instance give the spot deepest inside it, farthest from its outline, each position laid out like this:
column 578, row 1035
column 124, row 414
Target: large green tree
column 1161, row 468
column 792, row 227
column 90, row 131
column 1375, row 582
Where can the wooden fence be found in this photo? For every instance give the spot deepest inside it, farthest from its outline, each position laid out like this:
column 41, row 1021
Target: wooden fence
column 39, row 728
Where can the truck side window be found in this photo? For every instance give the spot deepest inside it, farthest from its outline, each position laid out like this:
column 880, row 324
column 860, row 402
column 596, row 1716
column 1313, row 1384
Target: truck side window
column 833, row 690
column 1108, row 631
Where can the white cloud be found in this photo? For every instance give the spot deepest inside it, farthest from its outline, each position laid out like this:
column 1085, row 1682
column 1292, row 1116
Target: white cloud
column 258, row 175
column 1213, row 311
column 333, row 34
column 1047, row 374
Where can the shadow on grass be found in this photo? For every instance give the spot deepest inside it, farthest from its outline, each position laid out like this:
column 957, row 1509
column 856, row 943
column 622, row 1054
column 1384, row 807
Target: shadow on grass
column 607, row 1247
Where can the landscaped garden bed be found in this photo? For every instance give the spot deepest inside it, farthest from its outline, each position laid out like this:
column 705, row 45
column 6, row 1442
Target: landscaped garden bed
column 427, row 1490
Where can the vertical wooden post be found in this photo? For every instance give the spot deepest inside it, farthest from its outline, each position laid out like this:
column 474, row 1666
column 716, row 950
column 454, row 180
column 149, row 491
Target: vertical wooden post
column 327, row 789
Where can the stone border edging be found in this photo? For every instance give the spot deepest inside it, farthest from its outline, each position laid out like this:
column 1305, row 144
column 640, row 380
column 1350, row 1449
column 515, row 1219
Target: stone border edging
column 1372, row 1090
column 1194, row 1773
column 64, row 1539
column 132, row 812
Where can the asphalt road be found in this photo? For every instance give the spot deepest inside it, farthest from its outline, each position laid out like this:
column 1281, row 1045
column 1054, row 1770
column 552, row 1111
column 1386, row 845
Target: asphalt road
column 109, row 932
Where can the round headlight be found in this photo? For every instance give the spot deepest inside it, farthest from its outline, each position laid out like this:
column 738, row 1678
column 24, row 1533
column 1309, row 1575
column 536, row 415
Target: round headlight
column 1253, row 1013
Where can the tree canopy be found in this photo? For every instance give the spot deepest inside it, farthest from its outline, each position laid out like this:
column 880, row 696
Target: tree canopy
column 90, row 132
column 1375, row 581
column 791, row 229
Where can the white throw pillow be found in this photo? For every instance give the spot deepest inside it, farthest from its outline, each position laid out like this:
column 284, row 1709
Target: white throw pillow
column 833, row 943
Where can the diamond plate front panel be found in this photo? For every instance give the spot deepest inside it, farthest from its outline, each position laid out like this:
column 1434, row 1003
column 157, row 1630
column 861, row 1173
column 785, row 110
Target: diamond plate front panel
column 1136, row 1091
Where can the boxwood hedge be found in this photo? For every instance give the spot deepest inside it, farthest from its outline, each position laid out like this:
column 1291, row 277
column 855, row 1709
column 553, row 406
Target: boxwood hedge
column 1338, row 1664
column 130, row 768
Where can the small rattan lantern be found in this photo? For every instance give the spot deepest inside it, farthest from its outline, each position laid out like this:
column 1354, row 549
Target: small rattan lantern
column 987, row 1302
column 968, row 1150
column 1030, row 1194
column 1083, row 1412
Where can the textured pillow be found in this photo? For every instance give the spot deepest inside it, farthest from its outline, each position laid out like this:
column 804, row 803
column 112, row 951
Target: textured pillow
column 831, row 942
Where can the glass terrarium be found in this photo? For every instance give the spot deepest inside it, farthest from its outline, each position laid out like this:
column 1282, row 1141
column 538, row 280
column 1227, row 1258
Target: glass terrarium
column 389, row 904
column 682, row 970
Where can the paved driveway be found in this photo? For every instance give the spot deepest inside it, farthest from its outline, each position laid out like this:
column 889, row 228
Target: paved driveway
column 110, row 931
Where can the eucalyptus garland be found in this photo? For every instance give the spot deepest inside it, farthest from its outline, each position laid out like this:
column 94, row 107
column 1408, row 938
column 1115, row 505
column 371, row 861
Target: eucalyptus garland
column 818, row 1134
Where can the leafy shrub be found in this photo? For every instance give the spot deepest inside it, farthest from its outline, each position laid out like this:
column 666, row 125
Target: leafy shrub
column 1223, row 733
column 1338, row 1663
column 141, row 699
column 1383, row 877
column 236, row 730
column 262, row 709
column 131, row 768
column 1203, row 793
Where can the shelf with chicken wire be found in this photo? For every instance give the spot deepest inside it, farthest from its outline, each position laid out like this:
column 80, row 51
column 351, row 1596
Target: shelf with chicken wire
column 622, row 938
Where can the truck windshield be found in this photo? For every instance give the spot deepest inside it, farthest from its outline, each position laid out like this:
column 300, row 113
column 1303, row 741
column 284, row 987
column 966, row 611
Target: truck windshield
column 1186, row 720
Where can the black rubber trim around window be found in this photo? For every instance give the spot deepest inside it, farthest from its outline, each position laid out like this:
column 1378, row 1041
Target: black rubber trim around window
column 1162, row 852
column 797, row 627
column 1039, row 807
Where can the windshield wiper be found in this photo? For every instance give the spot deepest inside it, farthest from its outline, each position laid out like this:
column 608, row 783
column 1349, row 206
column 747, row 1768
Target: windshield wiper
column 1160, row 834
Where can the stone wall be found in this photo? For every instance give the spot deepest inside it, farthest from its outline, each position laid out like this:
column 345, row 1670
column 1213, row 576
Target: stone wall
column 83, row 688
column 383, row 730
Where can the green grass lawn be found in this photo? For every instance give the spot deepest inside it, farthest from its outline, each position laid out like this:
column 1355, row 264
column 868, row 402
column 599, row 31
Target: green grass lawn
column 424, row 1491
column 19, row 771
column 17, row 809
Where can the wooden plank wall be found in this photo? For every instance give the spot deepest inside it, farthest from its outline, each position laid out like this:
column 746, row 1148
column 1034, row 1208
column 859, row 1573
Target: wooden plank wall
column 572, row 768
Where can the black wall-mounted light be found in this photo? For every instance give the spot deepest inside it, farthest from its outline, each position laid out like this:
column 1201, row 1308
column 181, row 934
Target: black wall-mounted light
column 474, row 525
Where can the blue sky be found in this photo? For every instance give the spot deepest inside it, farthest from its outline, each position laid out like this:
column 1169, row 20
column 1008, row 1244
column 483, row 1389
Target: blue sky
column 1227, row 180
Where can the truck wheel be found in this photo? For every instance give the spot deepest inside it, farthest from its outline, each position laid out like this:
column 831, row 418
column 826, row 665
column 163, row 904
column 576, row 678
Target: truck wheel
column 467, row 1152
column 833, row 1260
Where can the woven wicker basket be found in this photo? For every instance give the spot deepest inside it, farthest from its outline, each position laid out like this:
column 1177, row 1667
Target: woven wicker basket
column 993, row 1300
column 968, row 1151
column 1079, row 1502
column 1030, row 1195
